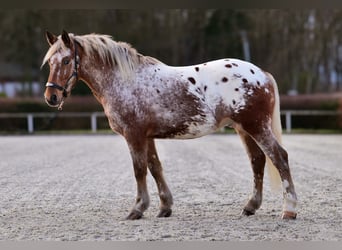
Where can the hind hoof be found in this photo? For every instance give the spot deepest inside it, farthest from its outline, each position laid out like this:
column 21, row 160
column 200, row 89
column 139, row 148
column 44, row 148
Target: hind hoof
column 134, row 215
column 246, row 212
column 289, row 215
column 165, row 213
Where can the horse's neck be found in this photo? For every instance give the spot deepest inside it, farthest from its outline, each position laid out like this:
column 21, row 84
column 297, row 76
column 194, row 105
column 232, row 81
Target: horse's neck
column 98, row 77
column 104, row 79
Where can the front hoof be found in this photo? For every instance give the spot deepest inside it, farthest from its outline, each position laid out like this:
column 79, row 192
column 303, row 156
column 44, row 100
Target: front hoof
column 289, row 215
column 165, row 213
column 247, row 212
column 134, row 215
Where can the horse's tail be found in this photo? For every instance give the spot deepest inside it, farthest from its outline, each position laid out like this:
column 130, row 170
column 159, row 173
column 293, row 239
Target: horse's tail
column 275, row 180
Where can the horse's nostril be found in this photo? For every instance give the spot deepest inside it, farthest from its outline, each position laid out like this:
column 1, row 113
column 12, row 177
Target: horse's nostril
column 53, row 99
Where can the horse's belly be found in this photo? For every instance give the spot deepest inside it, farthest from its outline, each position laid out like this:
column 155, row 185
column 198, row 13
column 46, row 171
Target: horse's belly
column 196, row 130
column 193, row 127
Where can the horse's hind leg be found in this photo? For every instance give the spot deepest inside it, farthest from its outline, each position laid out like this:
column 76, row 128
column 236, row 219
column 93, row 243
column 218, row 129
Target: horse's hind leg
column 278, row 155
column 257, row 159
column 157, row 172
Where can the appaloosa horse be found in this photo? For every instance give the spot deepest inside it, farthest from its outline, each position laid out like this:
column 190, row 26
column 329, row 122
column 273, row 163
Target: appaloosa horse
column 145, row 99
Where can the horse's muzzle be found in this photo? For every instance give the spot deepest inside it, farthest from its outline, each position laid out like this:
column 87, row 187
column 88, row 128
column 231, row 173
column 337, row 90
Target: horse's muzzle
column 52, row 101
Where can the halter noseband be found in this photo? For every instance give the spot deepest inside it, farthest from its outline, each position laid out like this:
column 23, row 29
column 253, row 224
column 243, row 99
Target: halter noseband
column 74, row 74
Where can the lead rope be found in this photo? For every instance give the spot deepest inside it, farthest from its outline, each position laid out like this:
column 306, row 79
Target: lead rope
column 60, row 106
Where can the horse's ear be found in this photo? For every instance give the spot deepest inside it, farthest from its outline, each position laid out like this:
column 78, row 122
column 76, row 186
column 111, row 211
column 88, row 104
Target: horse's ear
column 51, row 38
column 66, row 39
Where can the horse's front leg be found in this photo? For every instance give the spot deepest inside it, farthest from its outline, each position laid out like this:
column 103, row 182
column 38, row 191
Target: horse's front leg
column 138, row 150
column 157, row 172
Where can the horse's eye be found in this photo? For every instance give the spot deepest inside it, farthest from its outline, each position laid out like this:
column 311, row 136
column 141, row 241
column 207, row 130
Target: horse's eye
column 66, row 61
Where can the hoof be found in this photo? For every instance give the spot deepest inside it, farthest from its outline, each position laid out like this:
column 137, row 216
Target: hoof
column 165, row 213
column 247, row 212
column 289, row 215
column 134, row 215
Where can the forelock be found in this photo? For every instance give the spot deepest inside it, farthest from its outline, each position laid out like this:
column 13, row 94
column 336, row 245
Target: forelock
column 56, row 47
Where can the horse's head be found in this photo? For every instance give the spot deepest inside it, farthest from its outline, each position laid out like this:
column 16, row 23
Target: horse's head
column 63, row 61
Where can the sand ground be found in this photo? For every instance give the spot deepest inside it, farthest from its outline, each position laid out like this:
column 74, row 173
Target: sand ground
column 82, row 187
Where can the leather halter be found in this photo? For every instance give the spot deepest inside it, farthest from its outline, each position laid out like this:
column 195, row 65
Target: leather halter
column 74, row 74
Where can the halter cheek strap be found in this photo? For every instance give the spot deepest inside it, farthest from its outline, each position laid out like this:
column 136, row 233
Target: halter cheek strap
column 74, row 74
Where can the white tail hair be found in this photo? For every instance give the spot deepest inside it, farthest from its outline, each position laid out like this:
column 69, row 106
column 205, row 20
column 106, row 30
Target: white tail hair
column 275, row 180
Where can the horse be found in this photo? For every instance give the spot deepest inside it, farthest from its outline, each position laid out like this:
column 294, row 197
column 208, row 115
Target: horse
column 145, row 99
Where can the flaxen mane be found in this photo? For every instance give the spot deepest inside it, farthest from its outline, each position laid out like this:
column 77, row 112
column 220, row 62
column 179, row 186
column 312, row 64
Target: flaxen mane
column 119, row 54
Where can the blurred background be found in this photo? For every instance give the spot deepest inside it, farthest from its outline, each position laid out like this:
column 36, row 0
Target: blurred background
column 301, row 48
